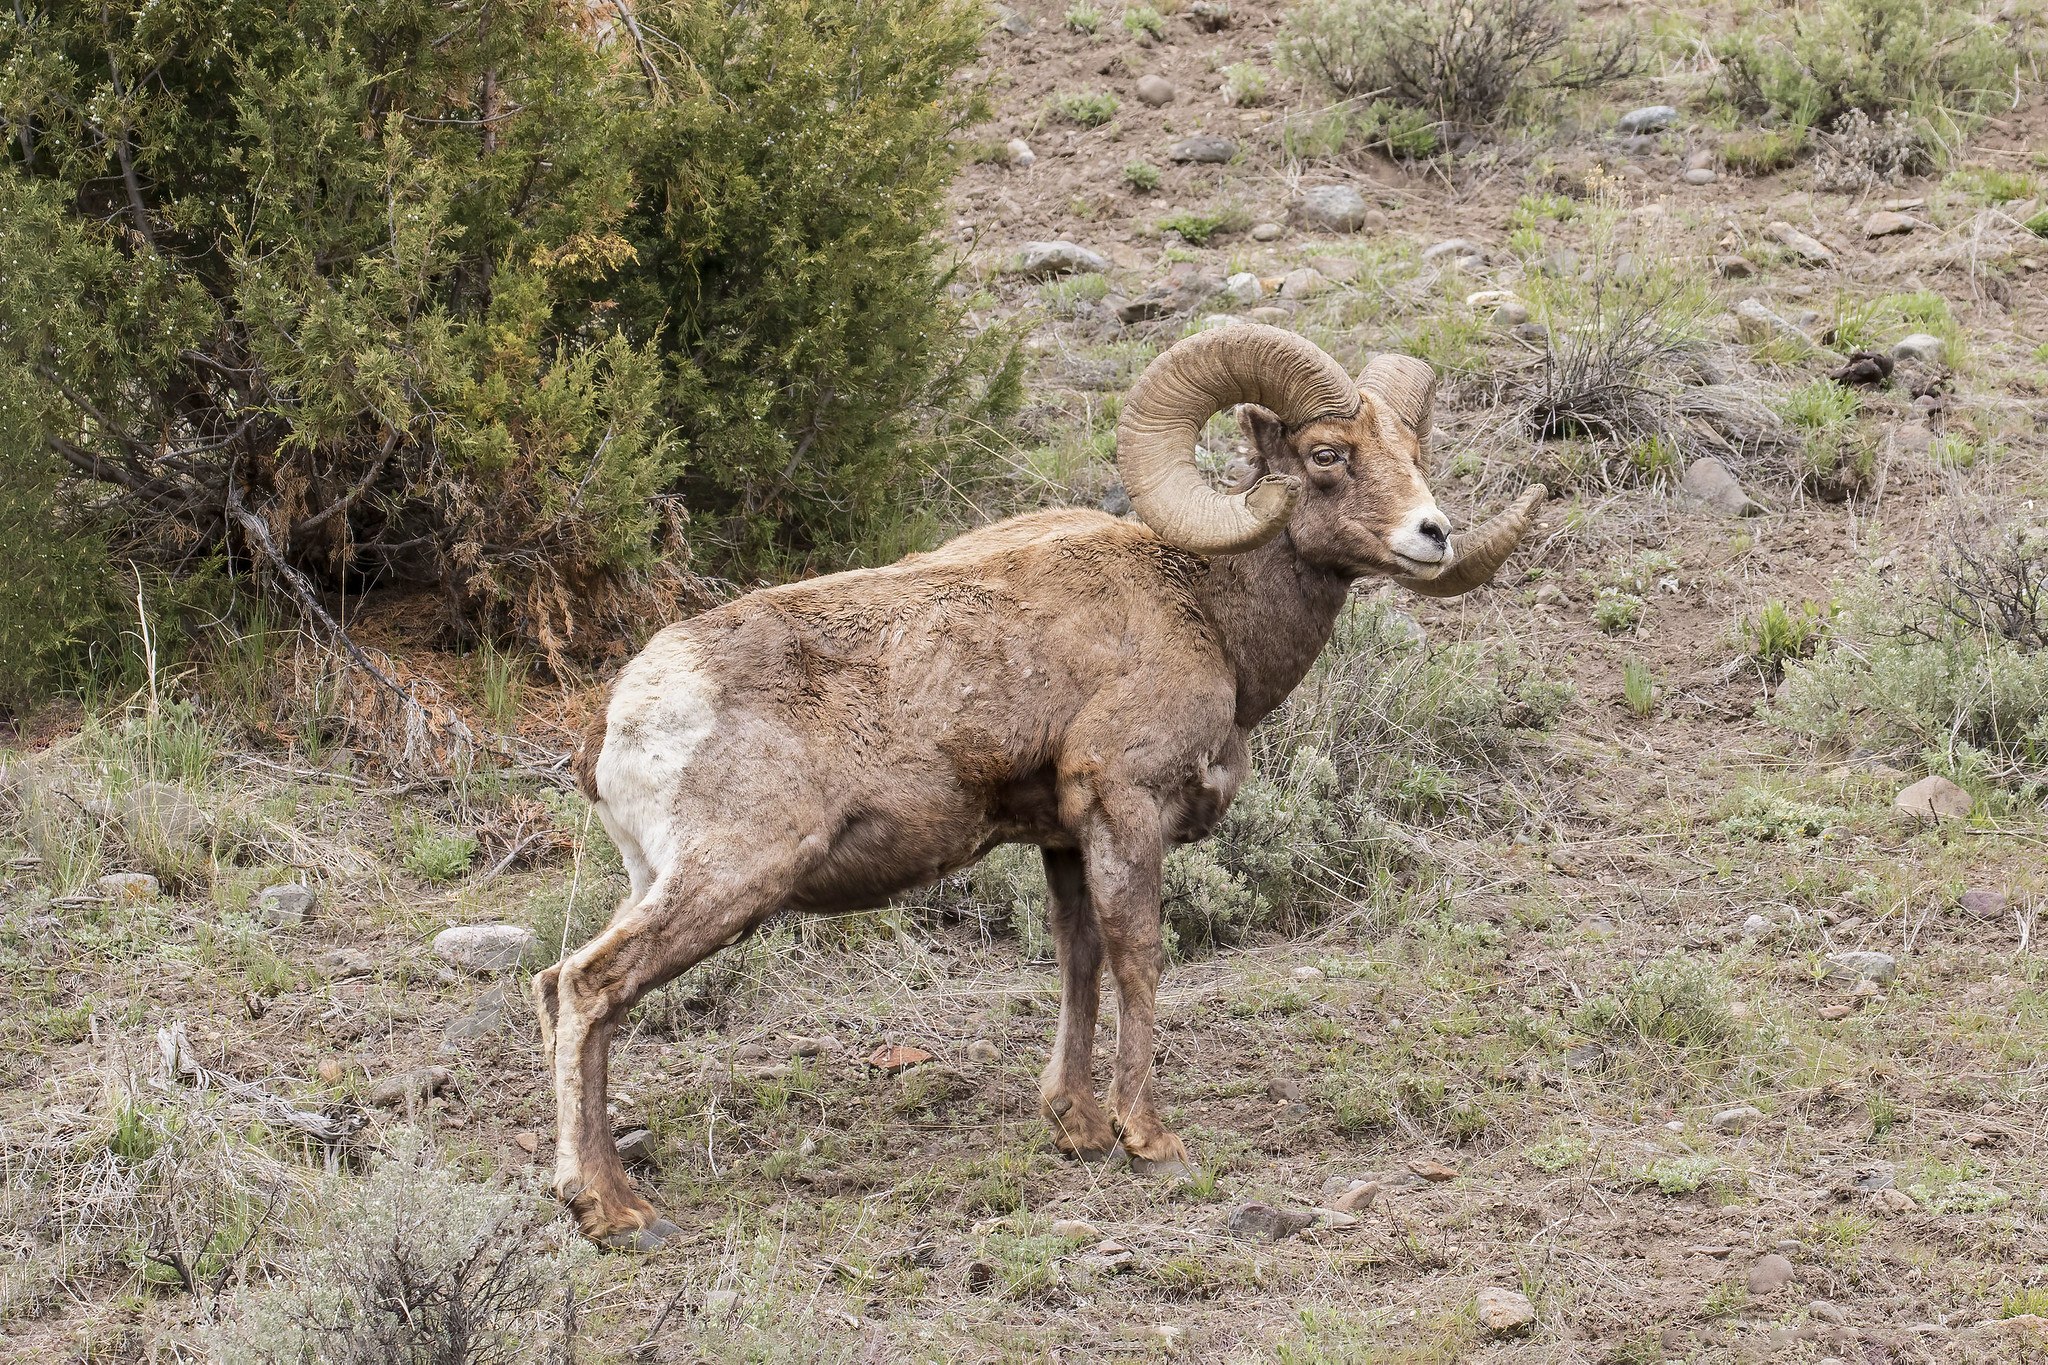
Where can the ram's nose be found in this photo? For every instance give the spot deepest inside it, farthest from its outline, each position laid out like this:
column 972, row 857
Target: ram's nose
column 1425, row 538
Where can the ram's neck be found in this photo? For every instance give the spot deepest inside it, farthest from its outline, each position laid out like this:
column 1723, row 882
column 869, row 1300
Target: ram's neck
column 1275, row 614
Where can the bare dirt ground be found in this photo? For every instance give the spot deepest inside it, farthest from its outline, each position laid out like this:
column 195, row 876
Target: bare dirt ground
column 1780, row 1165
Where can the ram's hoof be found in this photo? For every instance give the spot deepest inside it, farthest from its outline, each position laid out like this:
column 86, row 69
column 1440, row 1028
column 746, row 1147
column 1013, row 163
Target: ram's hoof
column 642, row 1240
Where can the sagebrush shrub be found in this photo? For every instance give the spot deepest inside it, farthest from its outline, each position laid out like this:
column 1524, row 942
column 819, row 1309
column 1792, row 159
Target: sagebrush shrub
column 412, row 1264
column 1954, row 670
column 1814, row 62
column 1464, row 62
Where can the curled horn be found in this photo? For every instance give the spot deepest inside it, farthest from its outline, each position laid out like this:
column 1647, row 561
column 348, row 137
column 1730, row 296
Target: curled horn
column 1477, row 555
column 1406, row 385
column 1192, row 381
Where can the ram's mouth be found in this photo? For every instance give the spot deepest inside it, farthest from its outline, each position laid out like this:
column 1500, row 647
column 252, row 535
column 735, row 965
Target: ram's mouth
column 1416, row 568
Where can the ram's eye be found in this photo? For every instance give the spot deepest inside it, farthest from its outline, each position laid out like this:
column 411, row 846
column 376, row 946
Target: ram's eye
column 1326, row 457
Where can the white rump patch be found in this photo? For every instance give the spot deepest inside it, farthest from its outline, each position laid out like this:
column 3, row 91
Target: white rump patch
column 663, row 707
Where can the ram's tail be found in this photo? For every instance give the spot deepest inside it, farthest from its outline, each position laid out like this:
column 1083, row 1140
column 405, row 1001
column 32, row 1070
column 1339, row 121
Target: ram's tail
column 584, row 763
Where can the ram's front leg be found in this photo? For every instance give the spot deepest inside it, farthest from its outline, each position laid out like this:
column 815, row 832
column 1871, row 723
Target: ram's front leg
column 1125, row 848
column 1080, row 1126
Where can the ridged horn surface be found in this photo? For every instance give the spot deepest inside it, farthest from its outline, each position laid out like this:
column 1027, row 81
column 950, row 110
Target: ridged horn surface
column 1189, row 383
column 1477, row 555
column 1406, row 385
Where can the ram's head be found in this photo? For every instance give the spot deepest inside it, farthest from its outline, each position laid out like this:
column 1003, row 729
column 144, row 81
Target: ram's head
column 1339, row 464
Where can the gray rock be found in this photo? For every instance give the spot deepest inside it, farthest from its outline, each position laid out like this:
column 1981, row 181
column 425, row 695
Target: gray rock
column 983, row 1050
column 338, row 964
column 1044, row 260
column 1650, row 118
column 1768, row 1274
column 286, row 905
column 1733, row 267
column 1755, row 322
column 125, row 888
column 1885, row 223
column 1934, row 798
column 1709, row 481
column 1263, row 1223
column 1738, row 1119
column 1020, row 154
column 1333, row 208
column 1700, row 175
column 1512, row 313
column 1984, row 903
column 410, row 1088
column 1755, row 925
column 1244, row 287
column 1859, row 965
column 1267, row 232
column 1203, row 149
column 483, row 948
column 1920, row 346
column 636, row 1147
column 484, row 1018
column 1505, row 1311
column 1807, row 248
column 1302, row 284
column 159, row 812
column 1155, row 90
column 1455, row 250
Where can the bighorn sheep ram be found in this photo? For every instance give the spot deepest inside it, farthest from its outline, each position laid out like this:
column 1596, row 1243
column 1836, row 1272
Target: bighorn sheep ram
column 1066, row 679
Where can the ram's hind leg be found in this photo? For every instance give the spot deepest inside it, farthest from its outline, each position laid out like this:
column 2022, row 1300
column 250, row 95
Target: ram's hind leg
column 546, row 1002
column 1080, row 1125
column 679, row 922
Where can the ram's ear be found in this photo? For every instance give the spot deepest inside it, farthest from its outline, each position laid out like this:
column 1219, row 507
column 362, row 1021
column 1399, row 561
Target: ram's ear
column 1264, row 429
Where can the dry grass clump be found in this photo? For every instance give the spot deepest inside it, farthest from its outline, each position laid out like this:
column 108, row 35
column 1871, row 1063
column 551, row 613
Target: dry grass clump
column 147, row 1181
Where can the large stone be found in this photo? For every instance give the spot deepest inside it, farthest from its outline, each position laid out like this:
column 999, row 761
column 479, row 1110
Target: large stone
column 1755, row 323
column 1650, row 118
column 1504, row 1311
column 1263, row 1223
column 1934, row 798
column 1455, row 251
column 1020, row 154
column 1708, row 480
column 1983, row 902
column 484, row 948
column 1859, row 965
column 1302, row 284
column 1334, row 208
column 285, row 906
column 160, row 813
column 1155, row 90
column 1044, row 260
column 1923, row 347
column 1203, row 149
column 1768, row 1274
column 1738, row 1119
column 1700, row 175
column 1267, row 232
column 1244, row 287
column 126, row 888
column 1885, row 223
column 1807, row 248
column 410, row 1088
